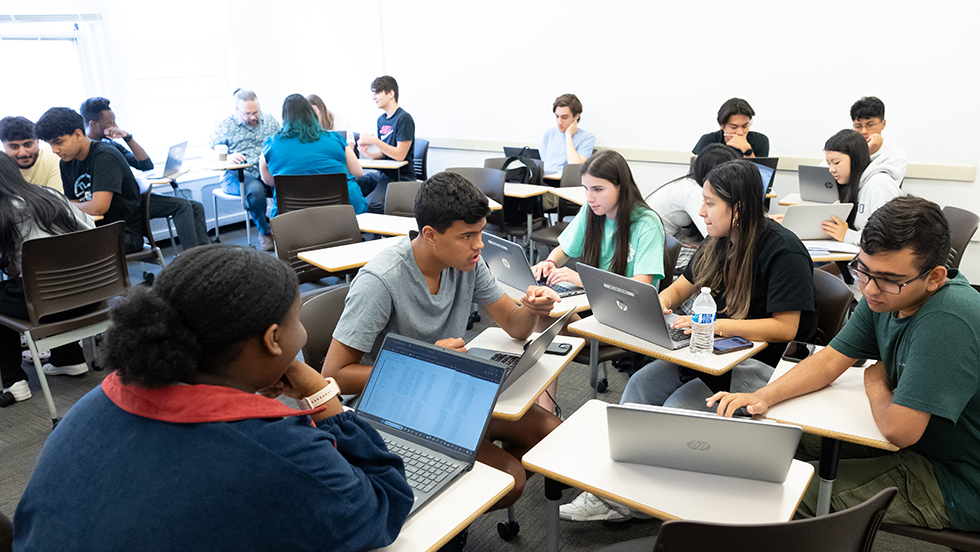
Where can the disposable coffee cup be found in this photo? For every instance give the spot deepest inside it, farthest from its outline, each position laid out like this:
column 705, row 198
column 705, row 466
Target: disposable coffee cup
column 222, row 151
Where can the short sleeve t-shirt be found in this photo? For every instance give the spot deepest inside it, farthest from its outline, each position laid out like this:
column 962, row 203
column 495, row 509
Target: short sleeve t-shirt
column 390, row 294
column 400, row 127
column 933, row 361
column 782, row 281
column 678, row 204
column 325, row 156
column 105, row 170
column 554, row 151
column 758, row 141
column 646, row 255
column 45, row 172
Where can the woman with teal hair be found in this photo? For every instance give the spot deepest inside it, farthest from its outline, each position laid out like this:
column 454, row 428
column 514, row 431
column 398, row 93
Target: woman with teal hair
column 302, row 147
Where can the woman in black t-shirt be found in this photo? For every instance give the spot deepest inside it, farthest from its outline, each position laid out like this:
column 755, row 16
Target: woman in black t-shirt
column 761, row 278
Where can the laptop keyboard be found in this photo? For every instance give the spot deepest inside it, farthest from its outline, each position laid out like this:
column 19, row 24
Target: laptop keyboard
column 561, row 290
column 423, row 470
column 506, row 359
column 678, row 335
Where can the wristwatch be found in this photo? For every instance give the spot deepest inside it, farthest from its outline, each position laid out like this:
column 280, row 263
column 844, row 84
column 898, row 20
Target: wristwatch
column 747, row 152
column 321, row 397
column 128, row 138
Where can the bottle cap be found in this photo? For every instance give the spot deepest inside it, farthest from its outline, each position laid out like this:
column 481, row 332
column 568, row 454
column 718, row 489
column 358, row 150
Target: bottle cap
column 706, row 290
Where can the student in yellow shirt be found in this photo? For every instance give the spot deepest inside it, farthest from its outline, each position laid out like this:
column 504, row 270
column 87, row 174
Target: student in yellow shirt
column 37, row 166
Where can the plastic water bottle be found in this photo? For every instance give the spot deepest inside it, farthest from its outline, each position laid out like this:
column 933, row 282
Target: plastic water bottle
column 703, row 324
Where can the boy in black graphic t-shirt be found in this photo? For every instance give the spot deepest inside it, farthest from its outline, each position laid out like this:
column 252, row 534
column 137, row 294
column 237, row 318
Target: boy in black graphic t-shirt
column 95, row 176
column 395, row 140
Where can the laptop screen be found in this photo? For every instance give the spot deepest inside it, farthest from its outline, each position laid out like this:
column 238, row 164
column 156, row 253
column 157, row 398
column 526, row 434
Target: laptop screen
column 431, row 393
column 766, row 173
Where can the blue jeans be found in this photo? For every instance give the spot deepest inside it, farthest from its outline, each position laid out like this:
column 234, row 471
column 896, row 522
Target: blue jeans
column 663, row 383
column 256, row 194
column 374, row 186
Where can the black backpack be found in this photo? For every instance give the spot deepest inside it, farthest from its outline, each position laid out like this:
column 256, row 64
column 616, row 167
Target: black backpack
column 522, row 169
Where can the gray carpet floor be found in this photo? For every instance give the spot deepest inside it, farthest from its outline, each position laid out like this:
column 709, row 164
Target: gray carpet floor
column 25, row 426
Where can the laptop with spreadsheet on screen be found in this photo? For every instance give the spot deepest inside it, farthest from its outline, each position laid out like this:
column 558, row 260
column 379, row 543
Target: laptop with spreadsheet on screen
column 432, row 407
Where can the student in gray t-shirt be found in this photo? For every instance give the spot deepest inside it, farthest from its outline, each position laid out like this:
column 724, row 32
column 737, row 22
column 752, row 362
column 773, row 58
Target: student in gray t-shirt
column 423, row 288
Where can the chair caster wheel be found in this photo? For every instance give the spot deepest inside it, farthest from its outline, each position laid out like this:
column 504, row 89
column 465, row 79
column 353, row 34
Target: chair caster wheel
column 602, row 386
column 508, row 529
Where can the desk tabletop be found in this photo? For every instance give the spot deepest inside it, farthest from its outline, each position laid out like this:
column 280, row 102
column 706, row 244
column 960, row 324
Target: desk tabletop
column 494, row 206
column 516, row 399
column 388, row 225
column 714, row 364
column 368, row 163
column 840, row 411
column 222, row 166
column 452, row 510
column 790, row 199
column 346, row 257
column 575, row 194
column 553, row 176
column 825, row 251
column 577, row 303
column 166, row 180
column 566, row 456
column 513, row 189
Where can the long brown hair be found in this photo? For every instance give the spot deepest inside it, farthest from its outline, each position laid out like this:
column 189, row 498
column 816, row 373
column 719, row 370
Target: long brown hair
column 727, row 262
column 326, row 117
column 610, row 165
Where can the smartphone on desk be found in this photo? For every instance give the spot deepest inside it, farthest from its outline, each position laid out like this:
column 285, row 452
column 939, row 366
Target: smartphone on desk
column 796, row 351
column 731, row 344
column 560, row 349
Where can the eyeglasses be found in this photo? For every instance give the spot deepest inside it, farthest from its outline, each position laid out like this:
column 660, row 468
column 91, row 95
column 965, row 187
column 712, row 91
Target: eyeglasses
column 870, row 125
column 887, row 286
column 248, row 113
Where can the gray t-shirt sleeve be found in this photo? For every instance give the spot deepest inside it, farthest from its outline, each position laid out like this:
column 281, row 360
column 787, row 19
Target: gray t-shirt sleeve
column 367, row 310
column 486, row 291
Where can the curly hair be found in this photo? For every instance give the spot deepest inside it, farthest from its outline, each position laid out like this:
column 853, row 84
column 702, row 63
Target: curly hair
column 58, row 121
column 16, row 128
column 199, row 312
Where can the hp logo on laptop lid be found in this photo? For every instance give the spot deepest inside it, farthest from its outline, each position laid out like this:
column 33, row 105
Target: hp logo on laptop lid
column 506, row 263
column 622, row 306
column 828, row 185
column 698, row 446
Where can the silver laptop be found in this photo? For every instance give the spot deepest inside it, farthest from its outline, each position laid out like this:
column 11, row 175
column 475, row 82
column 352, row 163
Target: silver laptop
column 509, row 265
column 175, row 160
column 518, row 365
column 804, row 220
column 701, row 441
column 817, row 185
column 432, row 407
column 516, row 152
column 630, row 306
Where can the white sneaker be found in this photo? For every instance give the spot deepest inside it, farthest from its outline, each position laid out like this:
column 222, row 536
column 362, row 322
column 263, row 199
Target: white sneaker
column 70, row 370
column 588, row 507
column 266, row 243
column 20, row 390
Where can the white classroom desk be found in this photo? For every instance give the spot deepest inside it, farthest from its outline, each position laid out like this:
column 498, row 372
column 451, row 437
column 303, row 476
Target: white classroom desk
column 791, row 199
column 453, row 510
column 556, row 176
column 839, row 412
column 577, row 303
column 386, row 225
column 526, row 191
column 714, row 365
column 346, row 257
column 518, row 398
column 826, row 251
column 380, row 164
column 167, row 180
column 577, row 454
column 575, row 194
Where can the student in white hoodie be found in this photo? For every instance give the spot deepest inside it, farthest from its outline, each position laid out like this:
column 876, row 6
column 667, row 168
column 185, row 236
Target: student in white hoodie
column 866, row 184
column 868, row 118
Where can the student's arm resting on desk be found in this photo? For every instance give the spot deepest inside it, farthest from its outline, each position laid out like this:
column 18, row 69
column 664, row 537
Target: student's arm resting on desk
column 901, row 425
column 342, row 363
column 98, row 205
column 398, row 153
column 812, row 374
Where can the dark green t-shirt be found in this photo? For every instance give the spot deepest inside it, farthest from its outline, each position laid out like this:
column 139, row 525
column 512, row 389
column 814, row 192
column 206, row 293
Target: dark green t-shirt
column 933, row 361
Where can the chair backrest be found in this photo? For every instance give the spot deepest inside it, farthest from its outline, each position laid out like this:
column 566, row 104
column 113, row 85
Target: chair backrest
column 571, row 177
column 400, row 198
column 851, row 530
column 302, row 191
column 65, row 272
column 962, row 225
column 311, row 229
column 498, row 163
column 320, row 315
column 833, row 302
column 672, row 248
column 6, row 534
column 491, row 183
column 421, row 158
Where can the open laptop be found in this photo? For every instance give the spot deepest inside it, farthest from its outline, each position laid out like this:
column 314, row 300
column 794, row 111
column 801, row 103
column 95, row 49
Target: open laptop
column 817, row 185
column 804, row 220
column 517, row 365
column 432, row 407
column 701, row 441
column 175, row 160
column 509, row 265
column 767, row 169
column 630, row 306
column 516, row 152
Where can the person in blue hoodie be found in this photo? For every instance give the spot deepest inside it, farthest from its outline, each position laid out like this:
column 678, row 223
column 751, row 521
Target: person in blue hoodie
column 183, row 446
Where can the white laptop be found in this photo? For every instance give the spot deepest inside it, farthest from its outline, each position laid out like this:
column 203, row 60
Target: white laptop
column 509, row 265
column 804, row 220
column 630, row 306
column 432, row 407
column 701, row 441
column 817, row 185
column 175, row 160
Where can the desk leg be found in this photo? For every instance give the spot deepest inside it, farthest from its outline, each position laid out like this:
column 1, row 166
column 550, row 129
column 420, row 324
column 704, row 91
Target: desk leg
column 829, row 455
column 241, row 190
column 530, row 226
column 552, row 492
column 594, row 367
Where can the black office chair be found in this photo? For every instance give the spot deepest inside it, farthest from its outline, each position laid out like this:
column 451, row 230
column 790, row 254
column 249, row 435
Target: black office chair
column 962, row 225
column 959, row 541
column 421, row 159
column 851, row 530
column 834, row 299
column 319, row 316
column 150, row 252
column 400, row 198
column 571, row 176
column 302, row 191
column 311, row 229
